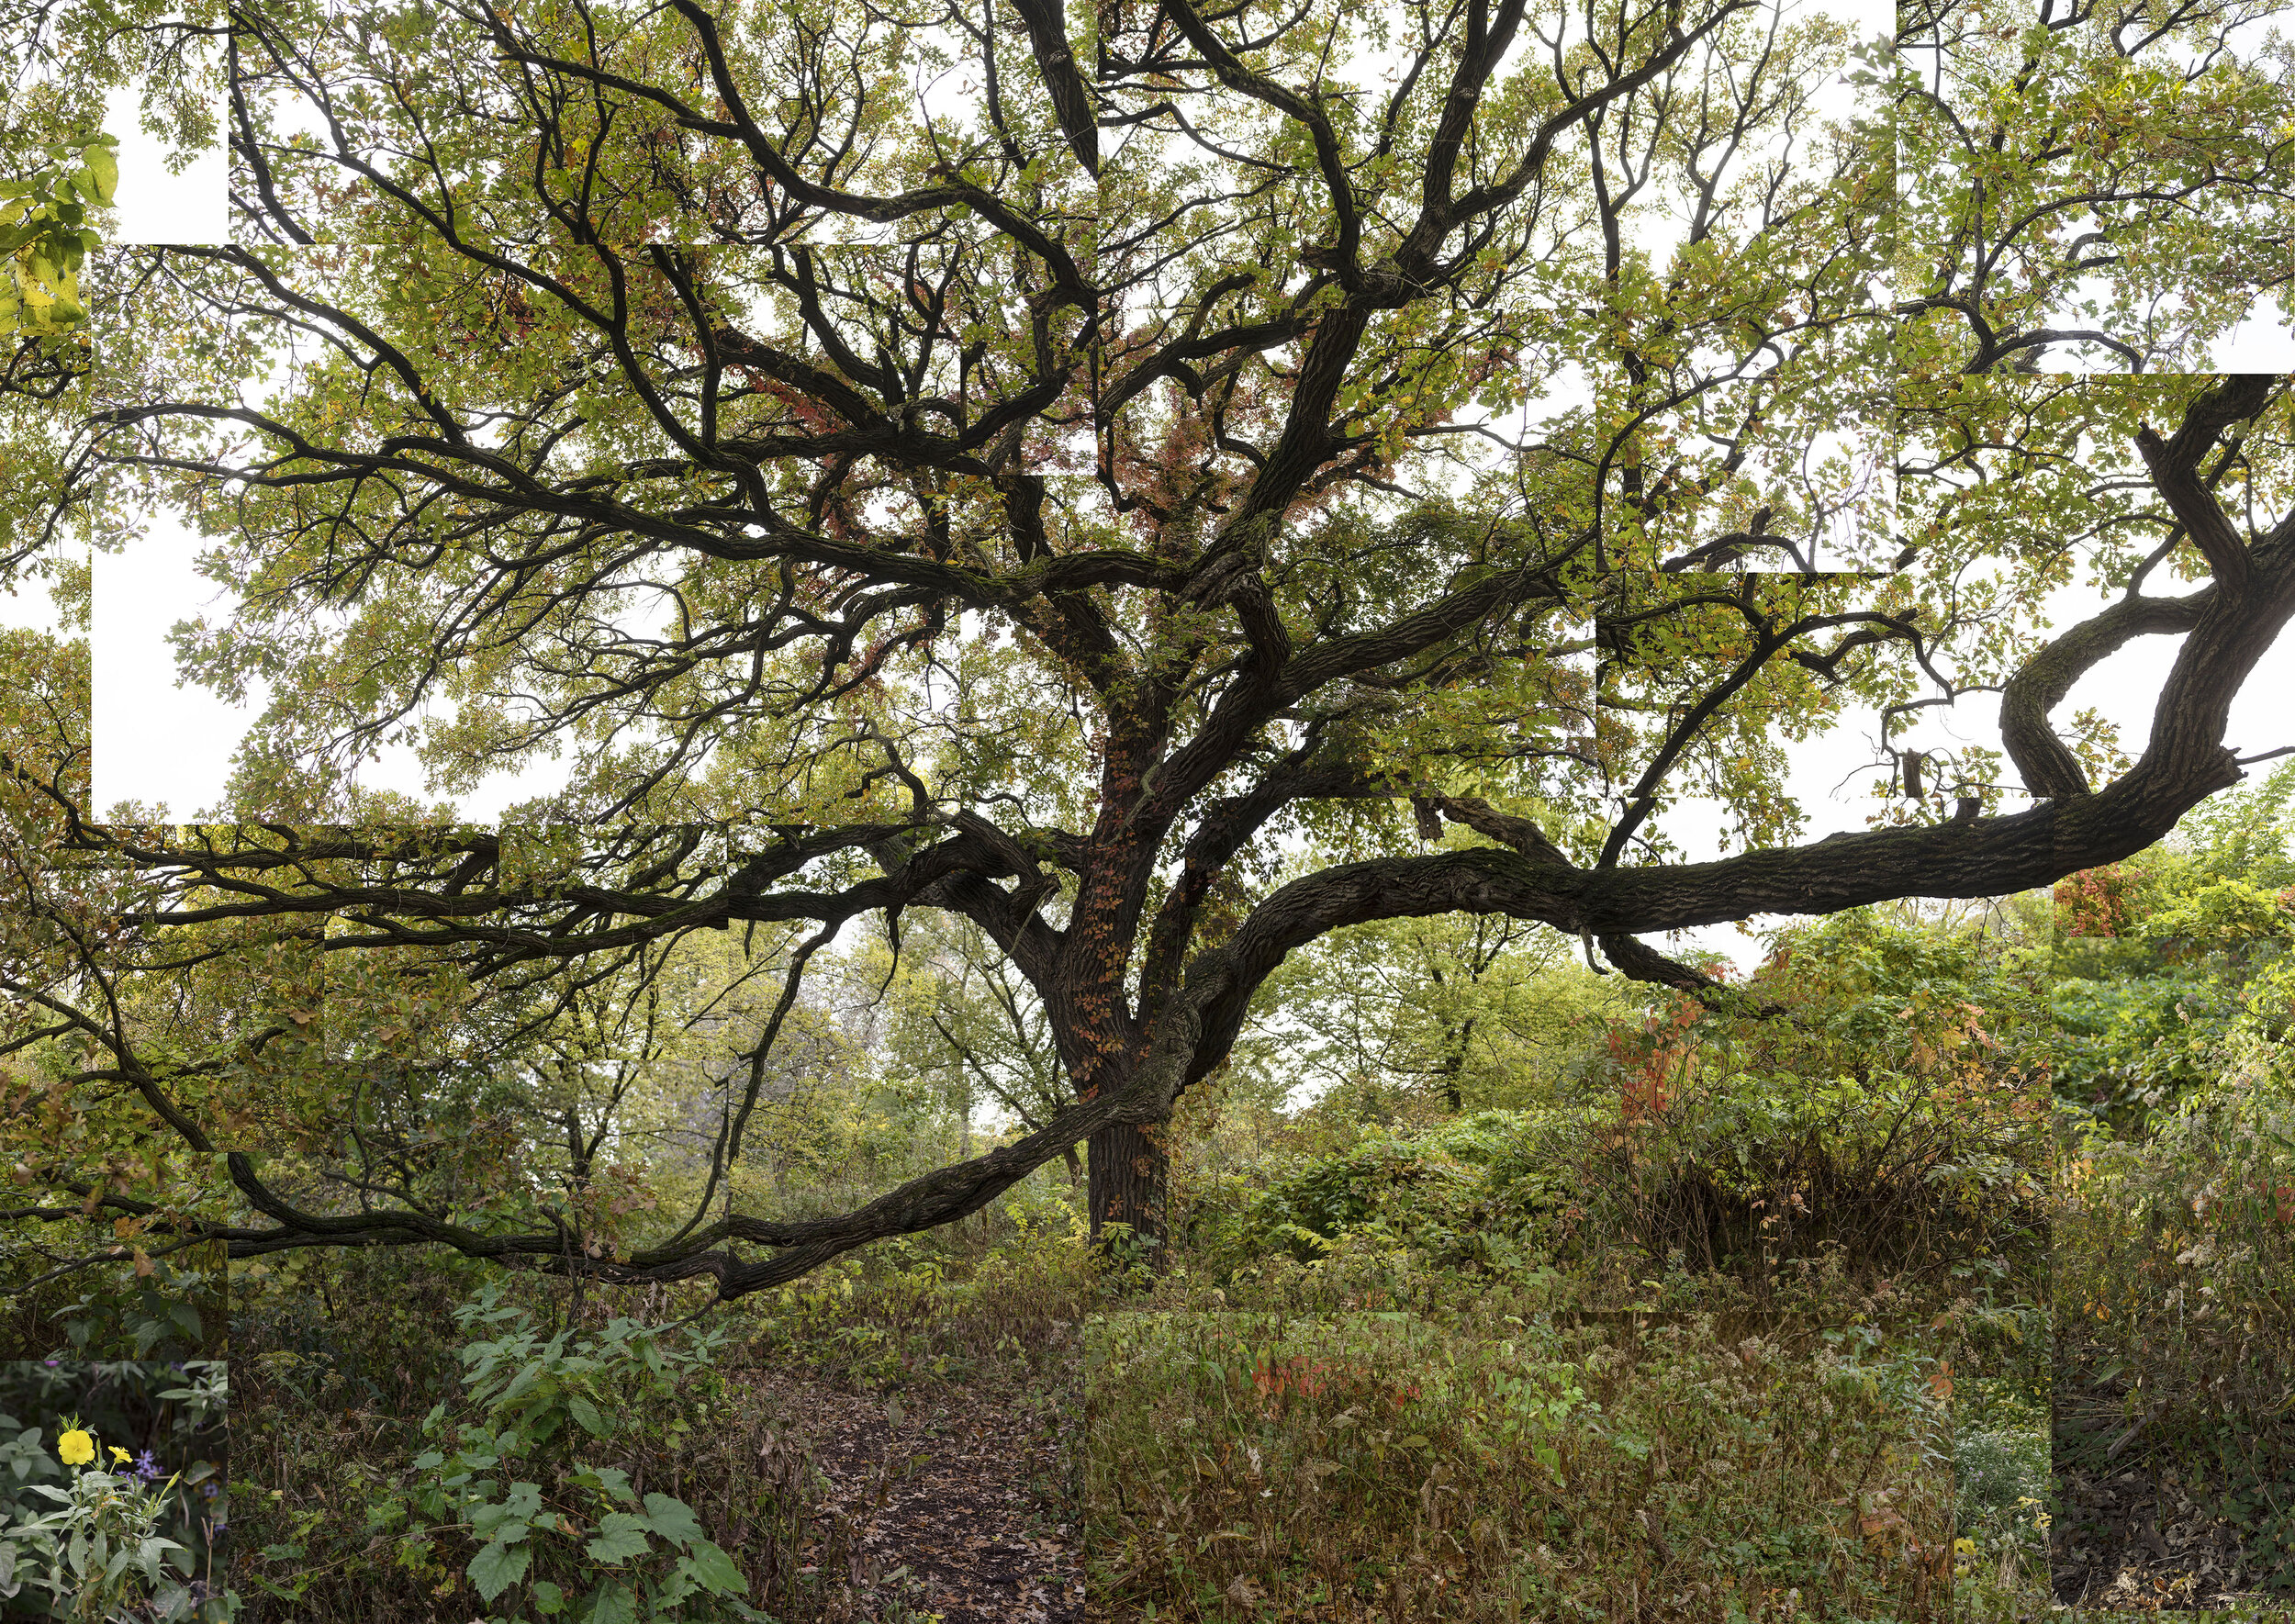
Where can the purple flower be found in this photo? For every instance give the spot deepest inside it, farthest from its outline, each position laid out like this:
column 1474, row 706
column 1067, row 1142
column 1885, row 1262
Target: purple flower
column 147, row 1466
column 51, row 1361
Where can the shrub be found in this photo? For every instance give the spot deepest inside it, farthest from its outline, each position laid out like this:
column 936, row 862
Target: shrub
column 1478, row 1192
column 536, row 1493
column 1902, row 1180
column 162, row 1310
column 2130, row 1047
column 2000, row 1481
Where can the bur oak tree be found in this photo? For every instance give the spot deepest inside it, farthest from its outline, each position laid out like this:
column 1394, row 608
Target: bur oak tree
column 1048, row 468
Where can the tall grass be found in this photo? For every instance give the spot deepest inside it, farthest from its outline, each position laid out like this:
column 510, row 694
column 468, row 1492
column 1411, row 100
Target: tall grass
column 1478, row 1465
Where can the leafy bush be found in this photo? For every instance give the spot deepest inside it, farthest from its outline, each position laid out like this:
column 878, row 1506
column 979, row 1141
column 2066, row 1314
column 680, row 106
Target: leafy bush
column 2132, row 1046
column 1477, row 1192
column 392, row 1354
column 2000, row 1480
column 1877, row 1097
column 1902, row 1180
column 536, row 1402
column 140, row 1308
column 2220, row 913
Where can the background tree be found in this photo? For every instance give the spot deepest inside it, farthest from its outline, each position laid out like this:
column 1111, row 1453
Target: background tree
column 964, row 1022
column 62, row 57
column 884, row 509
column 1471, row 1011
column 58, row 59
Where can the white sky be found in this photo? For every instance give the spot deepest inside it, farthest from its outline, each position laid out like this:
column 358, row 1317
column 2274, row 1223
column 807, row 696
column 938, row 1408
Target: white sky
column 159, row 744
column 157, row 206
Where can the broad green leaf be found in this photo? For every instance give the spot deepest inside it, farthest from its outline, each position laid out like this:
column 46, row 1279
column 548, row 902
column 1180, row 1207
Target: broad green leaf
column 612, row 1603
column 671, row 1518
column 619, row 1536
column 497, row 1566
column 608, row 1480
column 104, row 169
column 713, row 1570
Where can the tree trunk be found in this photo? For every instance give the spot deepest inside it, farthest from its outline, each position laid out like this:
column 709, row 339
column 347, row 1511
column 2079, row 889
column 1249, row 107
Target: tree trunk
column 1129, row 1173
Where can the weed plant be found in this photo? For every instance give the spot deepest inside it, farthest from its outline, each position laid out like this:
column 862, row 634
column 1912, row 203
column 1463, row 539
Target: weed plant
column 112, row 1496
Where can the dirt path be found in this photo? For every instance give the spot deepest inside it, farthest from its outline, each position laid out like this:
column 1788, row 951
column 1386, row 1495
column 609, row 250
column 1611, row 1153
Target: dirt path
column 948, row 1500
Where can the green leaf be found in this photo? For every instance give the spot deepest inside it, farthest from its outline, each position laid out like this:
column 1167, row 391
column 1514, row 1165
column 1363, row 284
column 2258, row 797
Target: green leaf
column 104, row 169
column 497, row 1566
column 612, row 1603
column 712, row 1569
column 672, row 1519
column 548, row 1598
column 147, row 1554
column 587, row 1418
column 521, row 1505
column 607, row 1480
column 619, row 1536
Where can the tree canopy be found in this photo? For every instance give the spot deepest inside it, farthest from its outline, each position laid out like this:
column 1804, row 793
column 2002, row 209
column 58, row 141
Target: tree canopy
column 58, row 59
column 1047, row 470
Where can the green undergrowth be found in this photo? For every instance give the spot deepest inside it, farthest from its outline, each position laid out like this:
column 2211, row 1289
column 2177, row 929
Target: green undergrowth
column 544, row 1458
column 1002, row 1307
column 429, row 1440
column 2175, row 1292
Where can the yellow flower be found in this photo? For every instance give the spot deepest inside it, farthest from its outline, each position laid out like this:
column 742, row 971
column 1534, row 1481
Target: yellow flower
column 120, row 1455
column 76, row 1448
